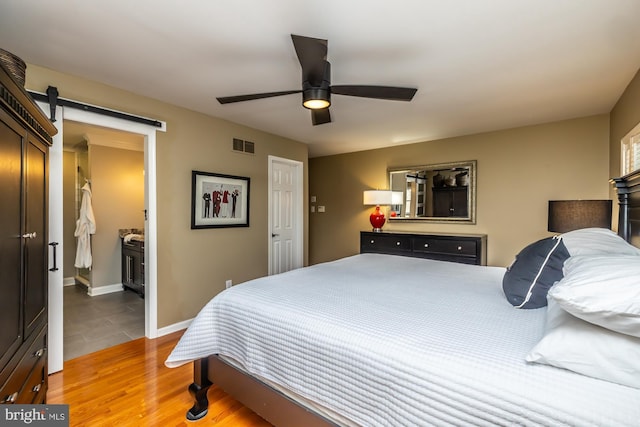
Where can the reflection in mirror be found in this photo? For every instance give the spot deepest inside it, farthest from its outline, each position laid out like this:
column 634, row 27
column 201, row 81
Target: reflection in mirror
column 442, row 192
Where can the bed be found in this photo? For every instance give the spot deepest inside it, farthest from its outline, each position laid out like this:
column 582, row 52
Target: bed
column 347, row 343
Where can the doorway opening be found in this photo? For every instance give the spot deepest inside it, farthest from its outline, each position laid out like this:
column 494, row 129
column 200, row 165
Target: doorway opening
column 56, row 317
column 103, row 189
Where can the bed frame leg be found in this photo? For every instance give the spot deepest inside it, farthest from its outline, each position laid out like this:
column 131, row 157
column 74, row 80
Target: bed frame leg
column 199, row 389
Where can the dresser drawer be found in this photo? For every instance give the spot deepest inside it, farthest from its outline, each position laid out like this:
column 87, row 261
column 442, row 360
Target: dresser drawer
column 444, row 246
column 34, row 358
column 385, row 243
column 35, row 387
column 462, row 248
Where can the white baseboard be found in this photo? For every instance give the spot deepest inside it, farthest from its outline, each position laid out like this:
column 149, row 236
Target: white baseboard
column 174, row 328
column 102, row 290
column 69, row 281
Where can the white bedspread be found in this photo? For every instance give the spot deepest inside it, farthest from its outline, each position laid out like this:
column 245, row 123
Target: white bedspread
column 393, row 341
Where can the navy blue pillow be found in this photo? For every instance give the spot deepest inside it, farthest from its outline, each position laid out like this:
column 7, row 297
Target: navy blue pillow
column 535, row 269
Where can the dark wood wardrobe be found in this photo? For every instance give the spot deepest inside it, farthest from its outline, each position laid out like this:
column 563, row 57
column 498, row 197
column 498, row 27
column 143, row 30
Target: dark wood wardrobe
column 25, row 137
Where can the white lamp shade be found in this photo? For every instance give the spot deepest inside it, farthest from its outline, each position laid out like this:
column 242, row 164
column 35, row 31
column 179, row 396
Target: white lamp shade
column 396, row 197
column 378, row 197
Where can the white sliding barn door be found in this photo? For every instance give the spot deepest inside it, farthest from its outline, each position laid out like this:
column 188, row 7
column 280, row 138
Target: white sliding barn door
column 285, row 215
column 56, row 277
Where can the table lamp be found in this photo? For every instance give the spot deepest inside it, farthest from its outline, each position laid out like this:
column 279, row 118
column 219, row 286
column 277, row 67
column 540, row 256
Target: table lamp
column 568, row 215
column 377, row 198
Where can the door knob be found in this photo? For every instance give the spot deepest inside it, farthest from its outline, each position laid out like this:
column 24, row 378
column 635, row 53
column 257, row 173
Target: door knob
column 274, row 235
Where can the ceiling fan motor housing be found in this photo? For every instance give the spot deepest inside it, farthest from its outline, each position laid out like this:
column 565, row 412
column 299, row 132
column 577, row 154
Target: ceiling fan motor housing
column 317, row 89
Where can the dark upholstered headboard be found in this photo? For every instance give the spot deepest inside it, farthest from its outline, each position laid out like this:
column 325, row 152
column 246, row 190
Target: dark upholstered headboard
column 628, row 189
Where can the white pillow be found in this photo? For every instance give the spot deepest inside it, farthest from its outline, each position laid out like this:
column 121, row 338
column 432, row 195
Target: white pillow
column 596, row 241
column 587, row 349
column 602, row 289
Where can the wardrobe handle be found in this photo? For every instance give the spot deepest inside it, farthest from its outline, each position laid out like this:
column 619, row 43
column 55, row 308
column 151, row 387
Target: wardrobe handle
column 29, row 235
column 55, row 265
column 11, row 398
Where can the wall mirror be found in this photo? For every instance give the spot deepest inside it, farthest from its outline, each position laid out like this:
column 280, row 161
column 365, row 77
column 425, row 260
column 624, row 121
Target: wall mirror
column 443, row 192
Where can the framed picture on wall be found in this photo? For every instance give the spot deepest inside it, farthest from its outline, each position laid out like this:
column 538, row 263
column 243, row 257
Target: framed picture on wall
column 219, row 200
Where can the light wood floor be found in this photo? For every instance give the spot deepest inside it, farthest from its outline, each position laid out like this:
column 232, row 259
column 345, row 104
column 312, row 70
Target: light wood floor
column 128, row 385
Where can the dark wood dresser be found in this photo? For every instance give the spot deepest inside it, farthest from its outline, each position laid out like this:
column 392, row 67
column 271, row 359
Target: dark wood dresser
column 25, row 137
column 462, row 248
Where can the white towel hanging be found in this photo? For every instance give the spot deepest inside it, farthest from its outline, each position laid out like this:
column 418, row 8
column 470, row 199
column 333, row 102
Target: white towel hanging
column 85, row 226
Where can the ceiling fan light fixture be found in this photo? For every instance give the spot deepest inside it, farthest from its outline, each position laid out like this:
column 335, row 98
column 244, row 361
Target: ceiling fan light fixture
column 316, row 98
column 316, row 83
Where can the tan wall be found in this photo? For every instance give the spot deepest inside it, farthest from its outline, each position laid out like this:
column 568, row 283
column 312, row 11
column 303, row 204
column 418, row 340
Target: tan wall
column 69, row 212
column 519, row 170
column 117, row 184
column 192, row 264
column 625, row 115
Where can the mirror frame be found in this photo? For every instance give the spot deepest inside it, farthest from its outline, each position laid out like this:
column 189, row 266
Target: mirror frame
column 471, row 197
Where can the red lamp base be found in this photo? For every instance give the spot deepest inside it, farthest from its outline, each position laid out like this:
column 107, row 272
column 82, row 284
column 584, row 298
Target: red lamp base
column 377, row 219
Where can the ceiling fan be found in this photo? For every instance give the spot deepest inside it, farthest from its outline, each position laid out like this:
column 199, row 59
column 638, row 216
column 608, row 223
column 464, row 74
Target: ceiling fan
column 316, row 83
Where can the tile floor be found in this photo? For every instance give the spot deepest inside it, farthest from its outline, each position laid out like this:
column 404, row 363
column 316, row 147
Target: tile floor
column 99, row 322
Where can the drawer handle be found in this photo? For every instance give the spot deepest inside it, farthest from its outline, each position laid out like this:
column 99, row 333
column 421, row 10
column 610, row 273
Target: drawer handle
column 459, row 248
column 36, row 388
column 426, row 245
column 11, row 398
column 39, row 353
column 372, row 241
column 397, row 243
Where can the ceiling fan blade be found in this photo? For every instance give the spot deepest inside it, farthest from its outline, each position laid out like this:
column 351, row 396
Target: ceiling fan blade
column 320, row 117
column 240, row 98
column 380, row 92
column 312, row 54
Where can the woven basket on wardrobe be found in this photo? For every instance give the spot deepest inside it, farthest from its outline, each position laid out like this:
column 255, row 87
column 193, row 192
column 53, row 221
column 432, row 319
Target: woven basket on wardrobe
column 14, row 65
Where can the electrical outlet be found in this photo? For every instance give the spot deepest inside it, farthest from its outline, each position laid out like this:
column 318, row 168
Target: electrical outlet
column 228, row 284
column 320, row 209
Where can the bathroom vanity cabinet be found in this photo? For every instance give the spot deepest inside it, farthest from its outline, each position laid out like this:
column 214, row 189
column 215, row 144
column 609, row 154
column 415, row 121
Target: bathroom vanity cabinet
column 133, row 265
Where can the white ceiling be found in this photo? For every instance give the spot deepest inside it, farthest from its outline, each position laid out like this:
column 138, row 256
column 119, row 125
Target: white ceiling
column 479, row 65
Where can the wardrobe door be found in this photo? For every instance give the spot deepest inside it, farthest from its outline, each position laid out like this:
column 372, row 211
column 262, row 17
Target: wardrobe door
column 10, row 241
column 36, row 250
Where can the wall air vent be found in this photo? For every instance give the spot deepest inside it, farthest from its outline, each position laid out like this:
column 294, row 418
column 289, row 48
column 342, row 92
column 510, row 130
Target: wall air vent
column 249, row 147
column 244, row 146
column 238, row 144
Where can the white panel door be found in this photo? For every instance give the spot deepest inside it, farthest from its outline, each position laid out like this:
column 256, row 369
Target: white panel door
column 285, row 220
